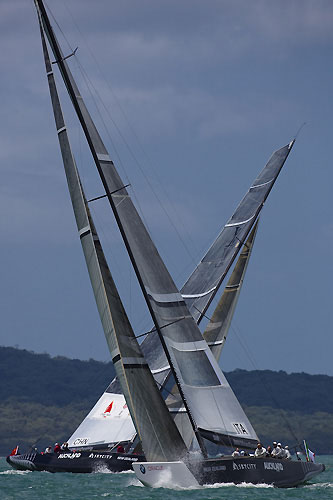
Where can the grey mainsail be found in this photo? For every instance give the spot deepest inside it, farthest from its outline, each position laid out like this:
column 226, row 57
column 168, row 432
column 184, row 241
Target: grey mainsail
column 197, row 374
column 217, row 329
column 201, row 287
column 157, row 431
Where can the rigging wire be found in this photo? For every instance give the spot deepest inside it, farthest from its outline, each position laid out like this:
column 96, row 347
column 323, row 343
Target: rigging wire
column 130, row 150
column 90, row 86
column 132, row 129
column 138, row 164
column 268, row 389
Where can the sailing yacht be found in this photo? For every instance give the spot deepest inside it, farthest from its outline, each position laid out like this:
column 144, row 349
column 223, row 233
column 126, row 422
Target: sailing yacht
column 99, row 429
column 177, row 396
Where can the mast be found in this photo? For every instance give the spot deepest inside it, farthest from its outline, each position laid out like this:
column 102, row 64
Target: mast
column 199, row 379
column 158, row 433
column 103, row 161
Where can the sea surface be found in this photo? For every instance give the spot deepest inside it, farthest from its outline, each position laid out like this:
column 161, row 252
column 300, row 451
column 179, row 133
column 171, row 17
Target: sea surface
column 43, row 485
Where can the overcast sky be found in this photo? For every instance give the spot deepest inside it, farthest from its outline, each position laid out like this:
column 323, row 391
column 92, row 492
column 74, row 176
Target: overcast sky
column 202, row 93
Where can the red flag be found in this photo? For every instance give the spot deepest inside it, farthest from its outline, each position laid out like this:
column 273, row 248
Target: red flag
column 109, row 408
column 15, row 451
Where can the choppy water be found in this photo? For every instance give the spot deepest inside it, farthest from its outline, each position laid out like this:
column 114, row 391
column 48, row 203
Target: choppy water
column 16, row 485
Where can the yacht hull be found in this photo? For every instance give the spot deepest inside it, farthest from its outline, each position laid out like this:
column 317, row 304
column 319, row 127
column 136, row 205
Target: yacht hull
column 79, row 461
column 279, row 473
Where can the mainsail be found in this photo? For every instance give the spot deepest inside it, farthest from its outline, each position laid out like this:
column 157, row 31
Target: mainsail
column 157, row 431
column 197, row 374
column 201, row 287
column 217, row 329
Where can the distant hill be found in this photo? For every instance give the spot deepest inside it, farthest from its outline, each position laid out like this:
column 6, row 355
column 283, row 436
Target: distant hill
column 55, row 381
column 60, row 381
column 296, row 391
column 44, row 398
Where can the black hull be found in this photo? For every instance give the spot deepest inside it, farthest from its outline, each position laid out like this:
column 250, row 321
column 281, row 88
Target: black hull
column 77, row 462
column 279, row 473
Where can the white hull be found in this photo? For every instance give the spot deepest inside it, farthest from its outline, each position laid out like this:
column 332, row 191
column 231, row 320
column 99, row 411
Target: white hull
column 165, row 474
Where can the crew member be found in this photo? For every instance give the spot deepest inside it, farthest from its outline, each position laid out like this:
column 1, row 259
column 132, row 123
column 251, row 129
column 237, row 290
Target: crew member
column 276, row 450
column 287, row 452
column 260, row 451
column 282, row 453
column 57, row 448
column 236, row 453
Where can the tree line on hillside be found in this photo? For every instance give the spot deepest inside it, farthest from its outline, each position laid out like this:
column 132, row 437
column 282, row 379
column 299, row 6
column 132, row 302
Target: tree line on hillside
column 44, row 399
column 60, row 381
column 32, row 424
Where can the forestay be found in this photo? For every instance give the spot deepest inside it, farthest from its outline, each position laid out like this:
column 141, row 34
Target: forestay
column 157, row 431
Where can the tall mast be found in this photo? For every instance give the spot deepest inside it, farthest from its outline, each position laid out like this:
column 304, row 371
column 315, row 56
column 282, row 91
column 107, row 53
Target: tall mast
column 118, row 192
column 158, row 433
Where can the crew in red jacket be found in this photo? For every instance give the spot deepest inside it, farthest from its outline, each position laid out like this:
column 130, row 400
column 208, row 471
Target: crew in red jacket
column 57, row 448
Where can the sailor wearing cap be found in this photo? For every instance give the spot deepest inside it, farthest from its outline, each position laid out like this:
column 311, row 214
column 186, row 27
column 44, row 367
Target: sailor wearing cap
column 276, row 450
column 260, row 451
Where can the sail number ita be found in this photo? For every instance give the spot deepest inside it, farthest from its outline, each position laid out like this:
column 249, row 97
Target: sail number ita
column 240, row 428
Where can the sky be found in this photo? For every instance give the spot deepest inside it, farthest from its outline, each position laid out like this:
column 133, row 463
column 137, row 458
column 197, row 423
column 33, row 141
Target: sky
column 191, row 99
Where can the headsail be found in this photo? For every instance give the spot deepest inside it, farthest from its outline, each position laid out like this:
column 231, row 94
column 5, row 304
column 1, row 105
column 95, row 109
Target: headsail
column 107, row 424
column 157, row 431
column 198, row 376
column 216, row 330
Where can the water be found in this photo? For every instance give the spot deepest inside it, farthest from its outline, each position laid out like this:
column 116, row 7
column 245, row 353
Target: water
column 16, row 485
